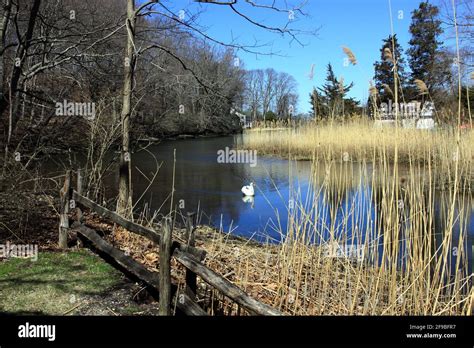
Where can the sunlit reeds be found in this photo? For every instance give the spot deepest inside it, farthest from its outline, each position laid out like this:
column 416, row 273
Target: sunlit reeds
column 363, row 141
column 409, row 266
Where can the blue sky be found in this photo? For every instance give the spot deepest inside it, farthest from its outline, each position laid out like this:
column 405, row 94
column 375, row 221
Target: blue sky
column 359, row 24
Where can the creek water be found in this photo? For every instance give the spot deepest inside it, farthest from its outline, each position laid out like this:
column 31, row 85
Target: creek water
column 214, row 189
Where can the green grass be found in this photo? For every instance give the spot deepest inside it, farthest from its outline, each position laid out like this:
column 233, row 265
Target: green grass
column 54, row 284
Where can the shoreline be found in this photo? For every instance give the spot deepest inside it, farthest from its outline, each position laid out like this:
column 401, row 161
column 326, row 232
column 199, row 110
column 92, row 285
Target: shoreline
column 292, row 277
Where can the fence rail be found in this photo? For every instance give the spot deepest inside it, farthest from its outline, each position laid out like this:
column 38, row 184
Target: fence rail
column 185, row 253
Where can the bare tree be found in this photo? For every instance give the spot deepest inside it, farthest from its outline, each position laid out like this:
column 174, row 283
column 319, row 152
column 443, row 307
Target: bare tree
column 124, row 199
column 4, row 22
column 175, row 75
column 285, row 95
column 270, row 90
column 253, row 93
column 267, row 90
column 162, row 9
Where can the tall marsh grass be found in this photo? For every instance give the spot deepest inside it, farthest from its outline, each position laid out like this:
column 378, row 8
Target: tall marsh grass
column 361, row 141
column 415, row 246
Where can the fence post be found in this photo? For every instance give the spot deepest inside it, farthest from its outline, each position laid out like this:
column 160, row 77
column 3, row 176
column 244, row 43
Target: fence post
column 165, row 269
column 79, row 191
column 64, row 195
column 191, row 279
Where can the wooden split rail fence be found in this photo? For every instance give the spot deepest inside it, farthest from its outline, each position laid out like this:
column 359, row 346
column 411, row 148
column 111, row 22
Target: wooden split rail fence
column 185, row 253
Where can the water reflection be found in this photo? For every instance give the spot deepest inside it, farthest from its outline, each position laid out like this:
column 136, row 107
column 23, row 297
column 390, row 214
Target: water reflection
column 339, row 198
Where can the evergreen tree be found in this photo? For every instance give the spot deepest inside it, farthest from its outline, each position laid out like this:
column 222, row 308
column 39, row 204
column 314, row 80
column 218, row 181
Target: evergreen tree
column 333, row 92
column 384, row 70
column 352, row 106
column 317, row 103
column 425, row 29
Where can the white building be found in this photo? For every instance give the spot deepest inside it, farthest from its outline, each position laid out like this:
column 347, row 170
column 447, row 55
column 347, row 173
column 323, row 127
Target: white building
column 245, row 121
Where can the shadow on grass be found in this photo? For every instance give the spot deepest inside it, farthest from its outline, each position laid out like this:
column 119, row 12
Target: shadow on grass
column 53, row 283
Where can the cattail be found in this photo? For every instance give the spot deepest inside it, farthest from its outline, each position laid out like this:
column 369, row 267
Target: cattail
column 372, row 90
column 387, row 88
column 387, row 55
column 350, row 55
column 421, row 86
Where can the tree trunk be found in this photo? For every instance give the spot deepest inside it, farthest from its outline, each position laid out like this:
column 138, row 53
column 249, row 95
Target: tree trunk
column 21, row 53
column 124, row 199
column 7, row 5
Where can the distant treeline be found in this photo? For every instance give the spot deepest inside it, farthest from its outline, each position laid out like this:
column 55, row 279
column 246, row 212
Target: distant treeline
column 73, row 51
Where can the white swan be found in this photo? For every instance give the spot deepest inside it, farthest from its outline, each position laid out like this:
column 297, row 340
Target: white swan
column 249, row 200
column 248, row 190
